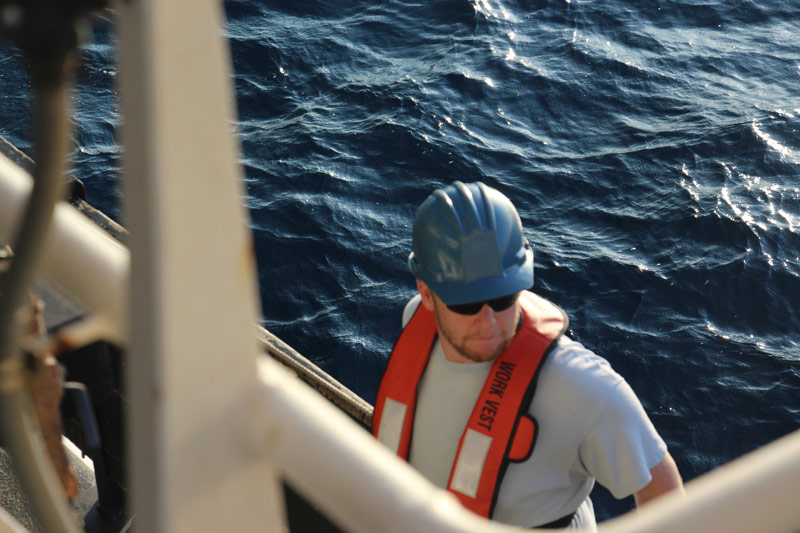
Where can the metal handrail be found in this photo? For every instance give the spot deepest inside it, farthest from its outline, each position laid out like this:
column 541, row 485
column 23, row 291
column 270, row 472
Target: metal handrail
column 51, row 133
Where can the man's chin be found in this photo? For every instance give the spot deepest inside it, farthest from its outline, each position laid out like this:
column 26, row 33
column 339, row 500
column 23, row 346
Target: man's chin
column 483, row 352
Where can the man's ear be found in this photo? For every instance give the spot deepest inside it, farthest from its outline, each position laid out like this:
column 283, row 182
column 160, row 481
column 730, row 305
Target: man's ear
column 427, row 295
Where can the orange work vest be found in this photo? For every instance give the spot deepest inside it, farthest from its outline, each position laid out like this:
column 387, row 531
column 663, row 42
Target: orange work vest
column 499, row 430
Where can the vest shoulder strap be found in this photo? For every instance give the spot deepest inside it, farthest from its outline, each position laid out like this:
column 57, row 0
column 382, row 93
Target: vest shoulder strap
column 499, row 430
column 393, row 415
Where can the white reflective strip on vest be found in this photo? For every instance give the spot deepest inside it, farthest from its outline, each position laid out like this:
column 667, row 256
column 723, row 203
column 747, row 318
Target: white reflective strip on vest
column 467, row 475
column 392, row 419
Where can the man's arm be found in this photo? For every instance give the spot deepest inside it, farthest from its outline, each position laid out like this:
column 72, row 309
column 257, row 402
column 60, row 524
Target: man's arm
column 665, row 477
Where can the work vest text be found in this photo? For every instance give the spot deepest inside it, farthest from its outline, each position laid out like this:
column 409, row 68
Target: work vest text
column 497, row 388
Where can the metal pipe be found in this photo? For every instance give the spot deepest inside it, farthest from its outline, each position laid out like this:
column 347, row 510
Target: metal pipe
column 9, row 524
column 364, row 488
column 36, row 474
column 51, row 142
column 339, row 466
column 757, row 492
column 79, row 258
column 51, row 139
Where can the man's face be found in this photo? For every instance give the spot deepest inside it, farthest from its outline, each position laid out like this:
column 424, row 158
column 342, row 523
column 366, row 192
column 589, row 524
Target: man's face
column 471, row 338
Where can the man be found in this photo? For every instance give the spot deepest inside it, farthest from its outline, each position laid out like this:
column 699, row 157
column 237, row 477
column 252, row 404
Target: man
column 485, row 395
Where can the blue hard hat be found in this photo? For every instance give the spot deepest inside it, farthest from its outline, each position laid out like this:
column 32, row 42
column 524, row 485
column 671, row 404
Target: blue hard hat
column 469, row 246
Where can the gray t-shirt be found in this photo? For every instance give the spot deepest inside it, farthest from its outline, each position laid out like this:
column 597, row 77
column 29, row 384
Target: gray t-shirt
column 590, row 426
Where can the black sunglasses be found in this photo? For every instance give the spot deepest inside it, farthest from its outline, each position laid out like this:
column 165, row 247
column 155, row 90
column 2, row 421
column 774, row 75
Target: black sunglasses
column 497, row 304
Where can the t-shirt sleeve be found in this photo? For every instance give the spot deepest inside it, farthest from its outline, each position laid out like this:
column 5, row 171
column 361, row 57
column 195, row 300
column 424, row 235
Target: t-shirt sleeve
column 621, row 446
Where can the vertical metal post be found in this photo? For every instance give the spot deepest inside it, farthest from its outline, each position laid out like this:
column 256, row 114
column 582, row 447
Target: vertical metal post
column 192, row 364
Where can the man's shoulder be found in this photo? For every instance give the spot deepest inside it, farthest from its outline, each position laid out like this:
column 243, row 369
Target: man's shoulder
column 572, row 367
column 577, row 388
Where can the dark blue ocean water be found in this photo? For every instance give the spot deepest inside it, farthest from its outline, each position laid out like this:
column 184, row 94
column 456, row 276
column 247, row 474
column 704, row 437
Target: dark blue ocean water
column 652, row 150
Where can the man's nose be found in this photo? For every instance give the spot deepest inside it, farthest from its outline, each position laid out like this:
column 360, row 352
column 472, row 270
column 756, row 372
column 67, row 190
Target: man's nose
column 487, row 314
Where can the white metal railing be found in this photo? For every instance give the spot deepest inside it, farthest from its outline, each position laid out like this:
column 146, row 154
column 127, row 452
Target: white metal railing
column 191, row 365
column 758, row 492
column 212, row 428
column 9, row 524
column 755, row 493
column 79, row 258
column 339, row 466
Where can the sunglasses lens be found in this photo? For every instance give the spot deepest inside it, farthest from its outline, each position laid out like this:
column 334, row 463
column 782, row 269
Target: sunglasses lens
column 503, row 303
column 497, row 304
column 466, row 309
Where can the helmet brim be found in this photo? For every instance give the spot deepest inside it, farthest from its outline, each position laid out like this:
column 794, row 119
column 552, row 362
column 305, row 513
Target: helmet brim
column 514, row 279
